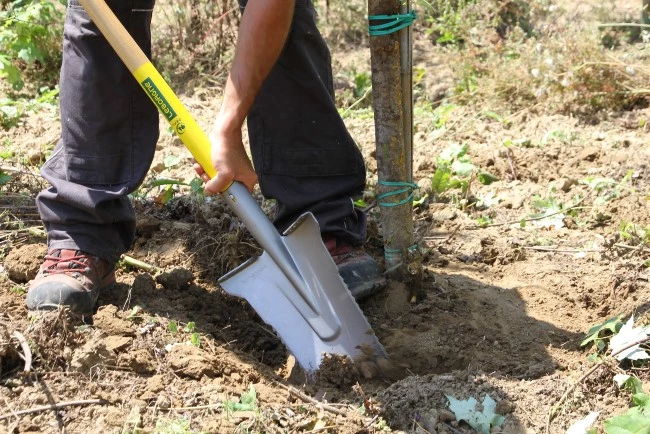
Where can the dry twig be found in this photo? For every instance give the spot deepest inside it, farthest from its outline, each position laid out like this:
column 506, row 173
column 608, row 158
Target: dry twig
column 593, row 369
column 26, row 350
column 306, row 398
column 56, row 406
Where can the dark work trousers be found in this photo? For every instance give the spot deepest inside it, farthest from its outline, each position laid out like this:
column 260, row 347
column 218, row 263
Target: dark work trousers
column 302, row 152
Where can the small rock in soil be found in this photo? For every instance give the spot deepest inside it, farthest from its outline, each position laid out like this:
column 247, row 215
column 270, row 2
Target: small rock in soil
column 107, row 320
column 156, row 383
column 117, row 343
column 92, row 354
column 146, row 226
column 190, row 361
column 22, row 263
column 589, row 154
column 178, row 279
column 140, row 361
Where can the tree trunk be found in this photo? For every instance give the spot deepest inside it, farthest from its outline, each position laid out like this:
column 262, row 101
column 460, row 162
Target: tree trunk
column 387, row 92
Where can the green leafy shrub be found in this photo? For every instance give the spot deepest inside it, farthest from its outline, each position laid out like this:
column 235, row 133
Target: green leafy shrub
column 460, row 21
column 30, row 42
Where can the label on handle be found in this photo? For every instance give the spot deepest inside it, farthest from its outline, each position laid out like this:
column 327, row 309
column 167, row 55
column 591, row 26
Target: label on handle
column 176, row 114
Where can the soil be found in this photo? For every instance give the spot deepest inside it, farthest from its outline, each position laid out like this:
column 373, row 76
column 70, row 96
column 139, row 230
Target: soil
column 500, row 312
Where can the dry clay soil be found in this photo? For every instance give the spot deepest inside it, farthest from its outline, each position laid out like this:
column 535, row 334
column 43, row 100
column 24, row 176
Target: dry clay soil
column 494, row 315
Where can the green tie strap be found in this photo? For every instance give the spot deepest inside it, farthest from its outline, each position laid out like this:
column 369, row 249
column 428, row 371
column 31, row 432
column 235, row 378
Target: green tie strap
column 389, row 23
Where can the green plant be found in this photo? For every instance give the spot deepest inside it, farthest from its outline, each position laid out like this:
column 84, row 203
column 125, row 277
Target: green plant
column 179, row 425
column 550, row 212
column 608, row 188
column 483, row 419
column 484, row 221
column 600, row 334
column 635, row 420
column 247, row 401
column 11, row 110
column 168, row 189
column 362, row 83
column 455, row 170
column 195, row 339
column 616, row 342
column 30, row 36
column 634, row 234
column 445, row 20
column 18, row 290
column 4, row 178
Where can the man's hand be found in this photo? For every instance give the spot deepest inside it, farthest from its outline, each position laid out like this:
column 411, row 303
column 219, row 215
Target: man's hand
column 230, row 161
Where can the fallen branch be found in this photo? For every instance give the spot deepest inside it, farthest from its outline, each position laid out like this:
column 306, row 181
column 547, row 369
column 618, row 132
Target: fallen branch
column 558, row 250
column 26, row 350
column 645, row 26
column 628, row 247
column 306, row 398
column 593, row 369
column 197, row 407
column 57, row 406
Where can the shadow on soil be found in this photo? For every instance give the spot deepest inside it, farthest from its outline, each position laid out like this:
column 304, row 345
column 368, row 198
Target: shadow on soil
column 463, row 328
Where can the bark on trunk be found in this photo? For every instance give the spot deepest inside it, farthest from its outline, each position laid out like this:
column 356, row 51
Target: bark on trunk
column 397, row 221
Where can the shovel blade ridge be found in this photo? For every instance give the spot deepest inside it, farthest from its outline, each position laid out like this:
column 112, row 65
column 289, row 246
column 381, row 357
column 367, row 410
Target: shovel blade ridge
column 336, row 327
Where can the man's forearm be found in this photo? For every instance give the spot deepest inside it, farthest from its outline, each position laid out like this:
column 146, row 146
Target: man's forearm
column 263, row 32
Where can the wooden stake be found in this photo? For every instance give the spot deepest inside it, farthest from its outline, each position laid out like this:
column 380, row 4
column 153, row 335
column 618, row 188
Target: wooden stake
column 385, row 51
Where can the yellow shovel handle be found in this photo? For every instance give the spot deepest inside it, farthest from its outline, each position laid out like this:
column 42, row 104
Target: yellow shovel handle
column 152, row 82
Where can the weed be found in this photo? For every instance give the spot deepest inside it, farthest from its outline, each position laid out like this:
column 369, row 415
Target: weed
column 637, row 418
column 11, row 110
column 381, row 425
column 30, row 35
column 179, row 425
column 247, row 402
column 167, row 189
column 600, row 334
column 608, row 188
column 484, row 221
column 634, row 234
column 18, row 290
column 481, row 420
column 561, row 136
column 455, row 170
column 500, row 60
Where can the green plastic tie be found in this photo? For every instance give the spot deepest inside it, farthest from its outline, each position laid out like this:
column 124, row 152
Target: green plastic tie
column 392, row 253
column 390, row 23
column 406, row 187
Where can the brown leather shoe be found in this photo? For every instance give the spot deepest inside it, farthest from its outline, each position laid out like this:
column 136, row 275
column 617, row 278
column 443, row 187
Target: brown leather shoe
column 70, row 278
column 359, row 271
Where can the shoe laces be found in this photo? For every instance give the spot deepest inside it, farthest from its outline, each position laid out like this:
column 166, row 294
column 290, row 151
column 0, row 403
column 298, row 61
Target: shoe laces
column 56, row 262
column 339, row 251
